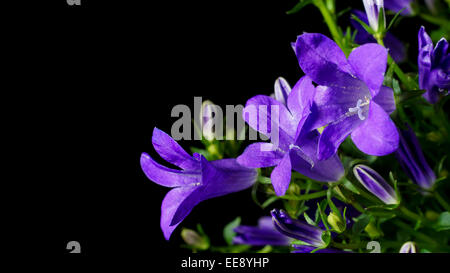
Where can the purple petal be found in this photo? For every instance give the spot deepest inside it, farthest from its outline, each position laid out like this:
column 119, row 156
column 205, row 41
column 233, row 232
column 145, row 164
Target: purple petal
column 335, row 133
column 169, row 149
column 408, row 247
column 170, row 205
column 165, row 176
column 324, row 62
column 219, row 177
column 264, row 113
column 439, row 52
column 260, row 155
column 369, row 63
column 282, row 90
column 385, row 99
column 378, row 134
column 281, row 176
column 328, row 170
column 395, row 47
column 332, row 103
column 397, row 5
column 263, row 234
column 297, row 229
column 301, row 98
column 412, row 160
column 375, row 184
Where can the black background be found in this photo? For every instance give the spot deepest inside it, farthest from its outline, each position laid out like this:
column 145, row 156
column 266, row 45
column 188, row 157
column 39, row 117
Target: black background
column 97, row 78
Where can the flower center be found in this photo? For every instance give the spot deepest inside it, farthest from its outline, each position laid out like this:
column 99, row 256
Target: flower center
column 358, row 108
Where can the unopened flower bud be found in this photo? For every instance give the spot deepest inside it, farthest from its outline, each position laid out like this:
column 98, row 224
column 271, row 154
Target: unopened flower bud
column 336, row 222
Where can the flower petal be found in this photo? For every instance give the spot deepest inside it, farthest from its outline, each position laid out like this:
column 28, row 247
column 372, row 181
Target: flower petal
column 165, row 176
column 375, row 184
column 378, row 134
column 385, row 99
column 172, row 152
column 369, row 63
column 334, row 134
column 170, row 205
column 264, row 113
column 281, row 176
column 324, row 62
column 301, row 98
column 328, row 170
column 260, row 155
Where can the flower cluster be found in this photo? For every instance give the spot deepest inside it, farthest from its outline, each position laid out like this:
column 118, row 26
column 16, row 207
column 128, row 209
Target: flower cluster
column 329, row 183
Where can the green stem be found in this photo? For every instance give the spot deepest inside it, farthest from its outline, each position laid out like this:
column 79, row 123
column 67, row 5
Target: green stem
column 417, row 234
column 409, row 214
column 441, row 201
column 330, row 21
column 308, row 196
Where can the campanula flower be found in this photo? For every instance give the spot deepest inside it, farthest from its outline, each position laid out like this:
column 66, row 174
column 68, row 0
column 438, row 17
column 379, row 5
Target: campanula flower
column 293, row 147
column 395, row 46
column 263, row 234
column 434, row 67
column 350, row 98
column 297, row 229
column 198, row 179
column 398, row 5
column 408, row 247
column 373, row 8
column 412, row 160
column 375, row 184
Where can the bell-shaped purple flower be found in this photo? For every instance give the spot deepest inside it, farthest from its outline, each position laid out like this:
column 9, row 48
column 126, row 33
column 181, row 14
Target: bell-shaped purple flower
column 373, row 8
column 291, row 147
column 375, row 184
column 395, row 46
column 263, row 234
column 198, row 179
column 350, row 98
column 398, row 5
column 434, row 67
column 297, row 229
column 412, row 160
column 408, row 247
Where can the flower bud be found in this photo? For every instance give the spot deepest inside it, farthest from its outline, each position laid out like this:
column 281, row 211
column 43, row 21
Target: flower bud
column 375, row 184
column 193, row 239
column 336, row 222
column 373, row 8
column 408, row 247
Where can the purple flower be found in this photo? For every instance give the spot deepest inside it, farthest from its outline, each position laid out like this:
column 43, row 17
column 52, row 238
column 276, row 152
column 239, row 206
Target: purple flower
column 297, row 229
column 412, row 160
column 397, row 5
column 434, row 67
column 372, row 8
column 395, row 46
column 308, row 249
column 294, row 148
column 263, row 234
column 350, row 98
column 198, row 179
column 375, row 184
column 408, row 247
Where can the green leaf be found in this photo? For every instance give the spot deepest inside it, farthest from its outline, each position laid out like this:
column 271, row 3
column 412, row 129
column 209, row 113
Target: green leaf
column 349, row 186
column 269, row 201
column 228, row 233
column 301, row 4
column 322, row 214
column 391, row 23
column 364, row 25
column 264, row 180
column 443, row 222
column 309, row 220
